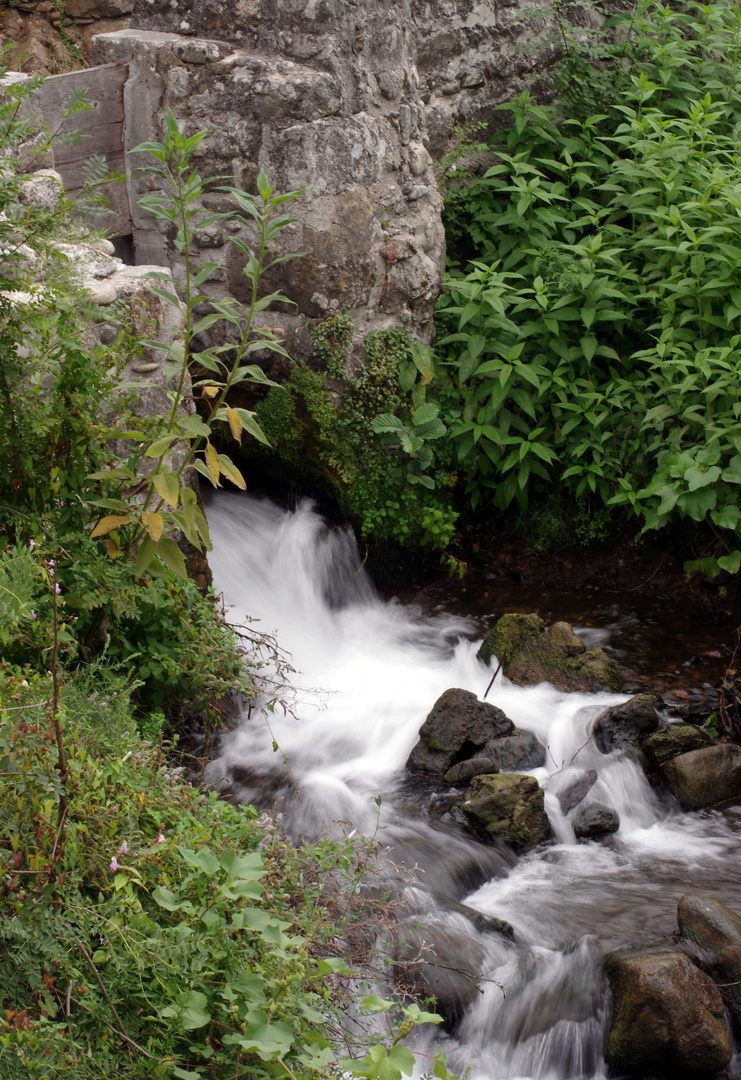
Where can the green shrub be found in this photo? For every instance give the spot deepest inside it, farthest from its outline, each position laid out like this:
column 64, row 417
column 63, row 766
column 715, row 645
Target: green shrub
column 595, row 341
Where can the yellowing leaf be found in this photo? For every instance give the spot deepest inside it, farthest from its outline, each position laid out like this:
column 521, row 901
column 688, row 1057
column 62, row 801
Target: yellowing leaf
column 210, row 391
column 235, row 423
column 153, row 524
column 231, row 472
column 167, row 487
column 212, row 462
column 112, row 549
column 109, row 523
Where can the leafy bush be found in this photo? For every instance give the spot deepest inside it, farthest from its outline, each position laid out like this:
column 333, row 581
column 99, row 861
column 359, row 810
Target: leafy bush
column 595, row 341
column 382, row 448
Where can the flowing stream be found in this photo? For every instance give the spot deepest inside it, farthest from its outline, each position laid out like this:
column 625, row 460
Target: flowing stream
column 367, row 674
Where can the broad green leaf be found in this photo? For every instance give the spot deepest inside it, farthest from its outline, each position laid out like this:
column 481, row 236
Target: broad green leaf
column 172, row 556
column 160, row 446
column 147, row 551
column 203, row 859
column 231, row 472
column 730, row 563
column 195, row 1010
column 167, row 487
column 698, row 478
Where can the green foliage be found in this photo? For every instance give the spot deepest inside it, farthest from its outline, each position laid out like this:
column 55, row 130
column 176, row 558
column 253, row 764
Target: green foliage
column 166, row 933
column 595, row 339
column 382, row 447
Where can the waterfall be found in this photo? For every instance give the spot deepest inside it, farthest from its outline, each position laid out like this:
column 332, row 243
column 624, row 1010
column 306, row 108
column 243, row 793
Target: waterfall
column 367, row 674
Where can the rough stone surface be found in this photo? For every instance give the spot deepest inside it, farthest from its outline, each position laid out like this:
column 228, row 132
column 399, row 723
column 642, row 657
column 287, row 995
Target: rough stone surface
column 509, row 806
column 717, row 931
column 457, row 726
column 44, row 190
column 572, row 795
column 513, row 753
column 626, row 725
column 33, row 31
column 594, row 820
column 465, row 771
column 666, row 1015
column 530, row 654
column 439, row 958
column 668, row 743
column 705, row 777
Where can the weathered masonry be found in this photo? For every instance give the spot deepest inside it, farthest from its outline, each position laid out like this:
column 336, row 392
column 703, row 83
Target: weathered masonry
column 349, row 100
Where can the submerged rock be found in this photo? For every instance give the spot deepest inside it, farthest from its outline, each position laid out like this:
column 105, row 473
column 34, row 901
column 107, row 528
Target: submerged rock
column 666, row 1015
column 435, row 958
column 465, row 771
column 624, row 726
column 508, row 806
column 457, row 727
column 704, row 777
column 520, row 750
column 668, row 743
column 595, row 819
column 717, row 930
column 532, row 654
column 575, row 792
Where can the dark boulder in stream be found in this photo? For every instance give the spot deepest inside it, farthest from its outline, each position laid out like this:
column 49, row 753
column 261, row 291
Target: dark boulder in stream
column 594, row 820
column 705, row 777
column 531, row 654
column 666, row 1015
column 436, row 958
column 512, row 753
column 509, row 806
column 625, row 726
column 572, row 795
column 717, row 931
column 457, row 727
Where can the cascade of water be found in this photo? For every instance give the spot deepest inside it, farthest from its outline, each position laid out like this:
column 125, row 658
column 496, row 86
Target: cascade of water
column 368, row 673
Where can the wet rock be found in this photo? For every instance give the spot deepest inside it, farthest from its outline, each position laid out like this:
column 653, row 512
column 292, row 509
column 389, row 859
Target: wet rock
column 465, row 771
column 704, row 777
column 717, row 930
column 666, row 1015
column 575, row 792
column 509, row 806
column 668, row 743
column 595, row 819
column 485, row 924
column 456, row 728
column 438, row 958
column 624, row 726
column 513, row 753
column 532, row 654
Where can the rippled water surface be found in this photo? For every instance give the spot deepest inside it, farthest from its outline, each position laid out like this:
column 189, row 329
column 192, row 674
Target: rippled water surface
column 368, row 672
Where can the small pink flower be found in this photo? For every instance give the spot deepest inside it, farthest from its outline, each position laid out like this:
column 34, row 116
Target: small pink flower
column 114, row 863
column 161, row 838
column 34, row 615
column 124, row 849
column 31, row 545
column 57, row 589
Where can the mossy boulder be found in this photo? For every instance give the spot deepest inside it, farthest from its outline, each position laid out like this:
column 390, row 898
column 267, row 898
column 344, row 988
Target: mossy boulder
column 666, row 1015
column 704, row 777
column 530, row 653
column 457, row 727
column 625, row 726
column 669, row 742
column 510, row 807
column 717, row 930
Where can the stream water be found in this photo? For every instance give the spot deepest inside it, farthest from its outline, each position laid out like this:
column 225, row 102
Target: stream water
column 367, row 673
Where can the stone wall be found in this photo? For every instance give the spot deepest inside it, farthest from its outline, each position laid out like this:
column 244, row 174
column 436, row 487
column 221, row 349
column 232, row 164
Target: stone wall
column 48, row 38
column 349, row 100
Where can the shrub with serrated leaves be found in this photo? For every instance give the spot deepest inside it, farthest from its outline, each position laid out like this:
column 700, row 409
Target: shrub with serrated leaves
column 595, row 341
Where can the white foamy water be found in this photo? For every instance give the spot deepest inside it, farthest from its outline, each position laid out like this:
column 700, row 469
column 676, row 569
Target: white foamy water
column 368, row 673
